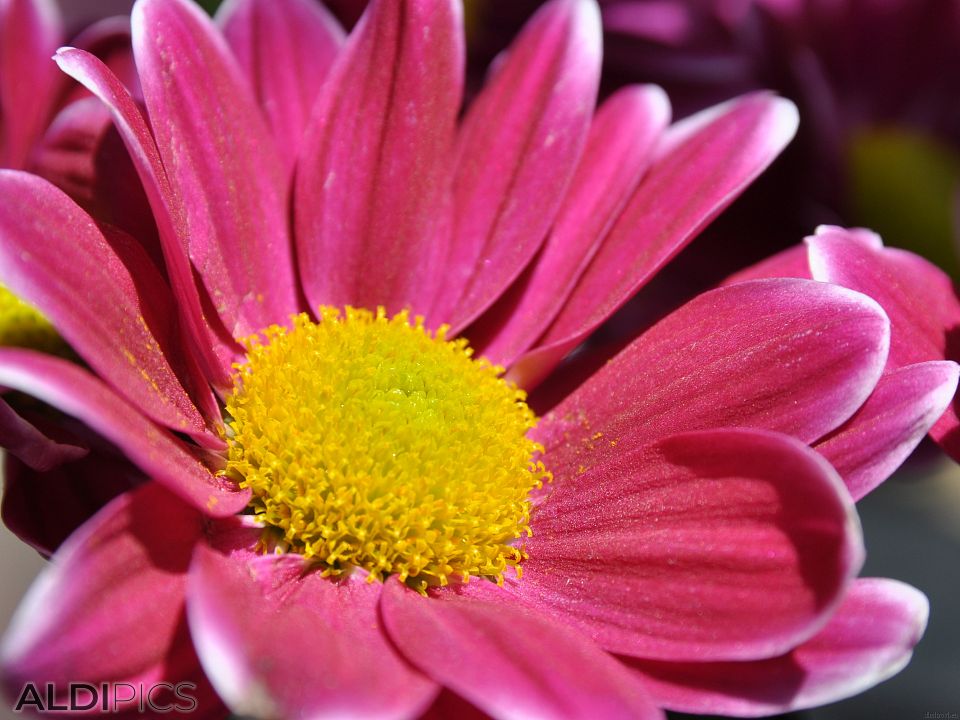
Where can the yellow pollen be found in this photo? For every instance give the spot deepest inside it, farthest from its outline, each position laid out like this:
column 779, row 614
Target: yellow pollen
column 370, row 442
column 22, row 325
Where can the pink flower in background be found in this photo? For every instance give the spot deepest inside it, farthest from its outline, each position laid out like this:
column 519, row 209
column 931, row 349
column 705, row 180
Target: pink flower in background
column 696, row 547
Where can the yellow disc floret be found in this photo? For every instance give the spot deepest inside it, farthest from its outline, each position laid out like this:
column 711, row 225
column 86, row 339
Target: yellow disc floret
column 368, row 441
column 22, row 325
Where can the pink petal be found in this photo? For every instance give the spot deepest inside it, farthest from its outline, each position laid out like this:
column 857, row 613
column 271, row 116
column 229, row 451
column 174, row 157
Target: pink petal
column 44, row 508
column 706, row 162
column 158, row 453
column 792, row 262
column 285, row 50
column 793, row 356
column 717, row 544
column 373, row 165
column 507, row 660
column 869, row 639
column 21, row 439
column 618, row 151
column 279, row 640
column 219, row 154
column 29, row 33
column 109, row 40
column 214, row 352
column 109, row 607
column 518, row 149
column 117, row 318
column 917, row 295
column 900, row 411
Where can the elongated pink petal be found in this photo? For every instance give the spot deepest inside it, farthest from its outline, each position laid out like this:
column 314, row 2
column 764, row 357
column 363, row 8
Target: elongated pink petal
column 789, row 355
column 869, row 639
column 717, row 544
column 218, row 152
column 518, row 148
column 618, row 151
column 326, row 653
column 44, row 508
column 285, row 50
column 373, row 168
column 214, row 352
column 507, row 660
column 54, row 256
column 709, row 161
column 29, row 33
column 119, row 578
column 109, row 40
column 918, row 296
column 900, row 411
column 158, row 453
column 792, row 262
column 21, row 439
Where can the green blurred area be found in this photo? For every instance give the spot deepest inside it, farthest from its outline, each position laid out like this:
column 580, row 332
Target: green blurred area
column 904, row 185
column 209, row 5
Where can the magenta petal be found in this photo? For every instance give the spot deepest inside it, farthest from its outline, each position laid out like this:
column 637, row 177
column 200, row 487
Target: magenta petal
column 789, row 355
column 507, row 660
column 54, row 256
column 373, row 171
column 158, row 453
column 618, row 151
column 218, row 152
column 44, row 508
column 900, row 411
column 718, row 544
column 214, row 353
column 518, row 148
column 29, row 33
column 918, row 296
column 36, row 450
column 279, row 640
column 110, row 604
column 285, row 49
column 706, row 162
column 790, row 263
column 869, row 639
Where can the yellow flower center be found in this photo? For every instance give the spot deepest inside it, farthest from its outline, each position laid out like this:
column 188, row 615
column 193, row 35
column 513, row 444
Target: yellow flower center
column 368, row 441
column 22, row 325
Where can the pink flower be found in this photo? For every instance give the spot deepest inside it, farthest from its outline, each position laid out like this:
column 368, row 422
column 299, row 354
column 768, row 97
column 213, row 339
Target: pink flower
column 694, row 548
column 919, row 298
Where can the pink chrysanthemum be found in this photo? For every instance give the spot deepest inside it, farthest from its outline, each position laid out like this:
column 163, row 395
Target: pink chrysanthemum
column 351, row 515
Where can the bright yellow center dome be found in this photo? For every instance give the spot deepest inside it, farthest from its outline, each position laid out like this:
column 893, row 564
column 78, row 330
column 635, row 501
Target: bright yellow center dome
column 368, row 441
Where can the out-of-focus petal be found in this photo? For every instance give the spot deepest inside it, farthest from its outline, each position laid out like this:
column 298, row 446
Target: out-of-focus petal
column 285, row 48
column 900, row 411
column 29, row 34
column 789, row 355
column 111, row 601
column 21, row 439
column 373, row 173
column 792, row 262
column 706, row 161
column 518, row 149
column 918, row 296
column 869, row 639
column 217, row 150
column 158, row 453
column 214, row 352
column 507, row 660
column 53, row 255
column 718, row 544
column 44, row 508
column 278, row 640
column 618, row 151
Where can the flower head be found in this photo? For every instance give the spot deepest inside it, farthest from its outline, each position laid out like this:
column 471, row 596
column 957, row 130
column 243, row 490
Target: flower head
column 349, row 509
